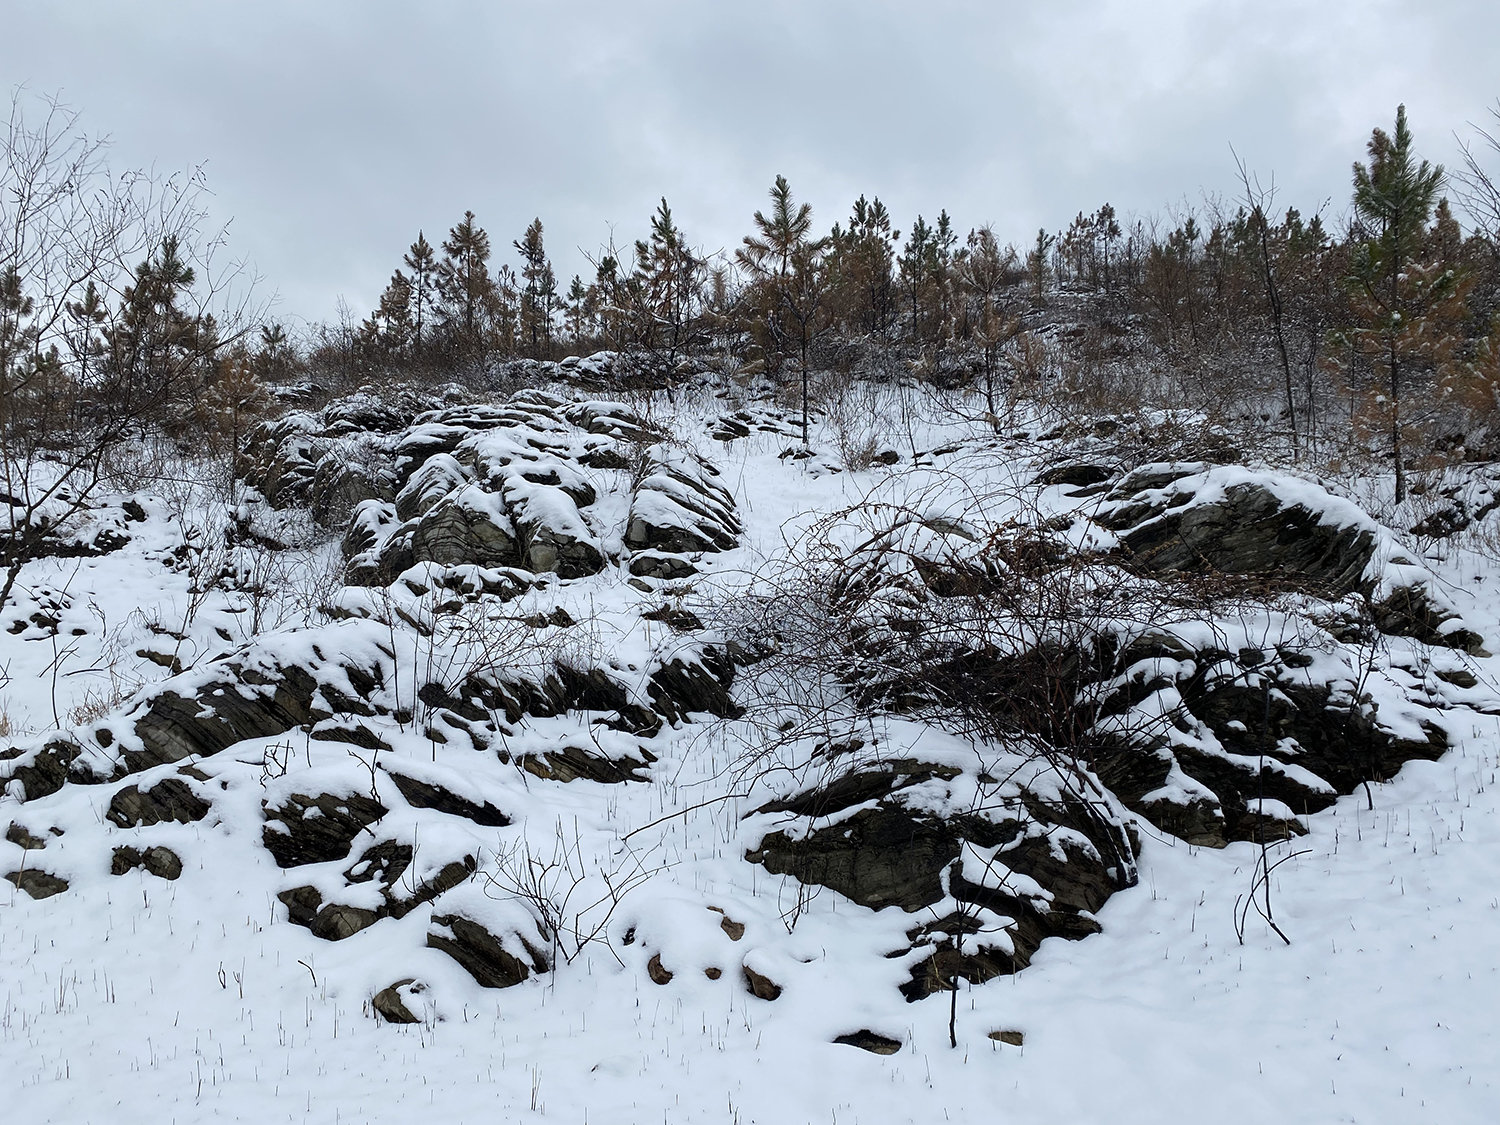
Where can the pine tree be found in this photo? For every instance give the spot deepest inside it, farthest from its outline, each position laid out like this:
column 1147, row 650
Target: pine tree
column 423, row 265
column 390, row 328
column 1036, row 265
column 538, row 292
column 1394, row 196
column 983, row 275
column 915, row 264
column 861, row 262
column 670, row 275
column 578, row 304
column 786, row 268
column 155, row 340
column 84, row 332
column 471, row 299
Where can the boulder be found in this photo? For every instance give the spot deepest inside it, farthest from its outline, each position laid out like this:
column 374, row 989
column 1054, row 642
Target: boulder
column 679, row 508
column 315, row 829
column 20, row 836
column 391, row 1002
column 760, row 986
column 483, row 954
column 1234, row 522
column 167, row 801
column 867, row 1040
column 426, row 795
column 1076, row 475
column 332, row 922
column 893, row 851
column 159, row 861
column 382, row 864
column 38, row 884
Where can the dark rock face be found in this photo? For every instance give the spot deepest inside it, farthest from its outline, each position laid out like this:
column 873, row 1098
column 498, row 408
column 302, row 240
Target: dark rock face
column 173, row 727
column 1408, row 611
column 439, row 475
column 1250, row 532
column 20, row 836
column 469, row 526
column 760, row 986
column 38, row 884
column 48, row 771
column 159, row 861
column 493, row 486
column 693, row 682
column 679, row 508
column 382, row 864
column 1301, row 743
column 167, row 800
column 481, row 952
column 424, row 795
column 328, row 460
column 666, row 567
column 317, row 829
column 338, row 487
column 390, row 1002
column 333, row 922
column 573, row 763
column 1077, row 475
column 867, row 1040
column 894, row 854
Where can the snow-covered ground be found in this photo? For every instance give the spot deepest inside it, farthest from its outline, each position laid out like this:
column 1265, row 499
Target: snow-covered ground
column 132, row 998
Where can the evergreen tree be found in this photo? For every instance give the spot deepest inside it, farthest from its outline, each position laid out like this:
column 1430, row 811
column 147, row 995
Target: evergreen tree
column 538, row 292
column 1394, row 196
column 671, row 276
column 1036, row 265
column 422, row 262
column 788, row 280
column 86, row 318
column 390, row 329
column 155, row 340
column 578, row 304
column 983, row 276
column 471, row 300
column 861, row 262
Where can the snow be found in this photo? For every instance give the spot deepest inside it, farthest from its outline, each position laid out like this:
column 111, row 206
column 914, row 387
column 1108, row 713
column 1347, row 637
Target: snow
column 131, row 998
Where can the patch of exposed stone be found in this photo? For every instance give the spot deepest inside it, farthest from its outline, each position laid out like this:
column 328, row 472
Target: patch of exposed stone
column 678, row 510
column 873, row 834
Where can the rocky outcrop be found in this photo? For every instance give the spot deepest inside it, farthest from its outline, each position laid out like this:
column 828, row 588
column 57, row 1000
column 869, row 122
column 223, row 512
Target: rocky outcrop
column 382, row 864
column 1283, row 534
column 315, row 829
column 171, row 800
column 330, row 460
column 484, row 955
column 679, row 508
column 37, row 883
column 391, row 1003
column 1042, row 864
column 1237, row 522
column 160, row 861
column 494, row 485
column 1203, row 742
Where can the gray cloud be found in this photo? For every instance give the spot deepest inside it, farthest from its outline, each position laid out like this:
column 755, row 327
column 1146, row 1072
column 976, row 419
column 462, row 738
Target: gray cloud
column 333, row 131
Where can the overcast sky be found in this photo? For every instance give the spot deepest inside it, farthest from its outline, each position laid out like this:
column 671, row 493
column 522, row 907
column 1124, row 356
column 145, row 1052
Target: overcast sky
column 332, row 130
